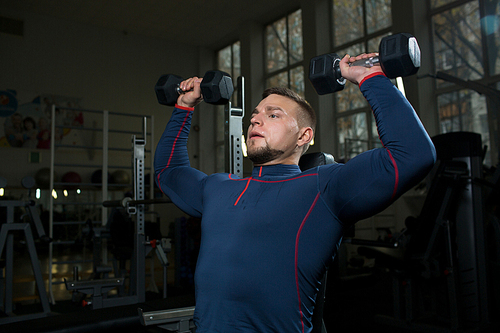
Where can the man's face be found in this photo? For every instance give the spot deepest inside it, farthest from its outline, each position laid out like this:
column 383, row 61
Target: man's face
column 273, row 132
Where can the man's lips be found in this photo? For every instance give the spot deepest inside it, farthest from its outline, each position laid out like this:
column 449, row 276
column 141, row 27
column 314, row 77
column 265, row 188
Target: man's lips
column 255, row 135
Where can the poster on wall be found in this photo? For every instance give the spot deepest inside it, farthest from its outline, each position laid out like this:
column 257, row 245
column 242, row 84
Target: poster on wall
column 25, row 120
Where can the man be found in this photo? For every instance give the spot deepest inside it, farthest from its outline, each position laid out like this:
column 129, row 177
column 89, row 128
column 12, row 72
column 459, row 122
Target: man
column 268, row 239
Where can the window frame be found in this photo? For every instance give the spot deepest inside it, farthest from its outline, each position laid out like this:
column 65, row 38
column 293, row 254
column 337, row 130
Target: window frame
column 487, row 79
column 288, row 69
column 366, row 110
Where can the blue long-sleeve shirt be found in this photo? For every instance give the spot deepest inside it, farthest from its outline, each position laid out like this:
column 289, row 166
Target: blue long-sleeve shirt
column 268, row 239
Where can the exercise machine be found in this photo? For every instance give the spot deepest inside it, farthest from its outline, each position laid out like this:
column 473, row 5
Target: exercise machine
column 441, row 282
column 98, row 288
column 175, row 320
column 7, row 241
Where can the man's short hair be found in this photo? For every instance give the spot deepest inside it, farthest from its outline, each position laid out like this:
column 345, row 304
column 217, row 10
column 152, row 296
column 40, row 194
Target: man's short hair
column 307, row 116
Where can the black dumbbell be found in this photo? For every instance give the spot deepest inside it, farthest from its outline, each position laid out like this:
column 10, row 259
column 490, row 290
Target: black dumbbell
column 399, row 55
column 216, row 88
column 325, row 74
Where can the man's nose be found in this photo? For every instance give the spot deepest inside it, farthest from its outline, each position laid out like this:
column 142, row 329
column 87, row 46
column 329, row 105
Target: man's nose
column 256, row 120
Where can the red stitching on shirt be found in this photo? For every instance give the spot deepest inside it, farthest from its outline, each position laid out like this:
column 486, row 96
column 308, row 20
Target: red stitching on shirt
column 297, row 258
column 265, row 181
column 370, row 76
column 248, row 183
column 396, row 174
column 187, row 108
column 177, row 137
column 173, row 146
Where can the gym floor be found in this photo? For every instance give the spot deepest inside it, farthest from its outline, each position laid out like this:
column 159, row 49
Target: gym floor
column 352, row 304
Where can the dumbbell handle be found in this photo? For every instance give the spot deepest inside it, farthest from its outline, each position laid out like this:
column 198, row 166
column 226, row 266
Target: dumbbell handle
column 370, row 62
column 180, row 91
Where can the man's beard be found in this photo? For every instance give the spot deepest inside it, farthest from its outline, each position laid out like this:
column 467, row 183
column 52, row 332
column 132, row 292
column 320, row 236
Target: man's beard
column 264, row 154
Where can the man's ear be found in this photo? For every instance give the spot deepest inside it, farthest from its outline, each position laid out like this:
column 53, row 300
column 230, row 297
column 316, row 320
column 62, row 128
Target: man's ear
column 306, row 136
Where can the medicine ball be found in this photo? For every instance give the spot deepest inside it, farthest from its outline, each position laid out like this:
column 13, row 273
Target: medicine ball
column 71, row 177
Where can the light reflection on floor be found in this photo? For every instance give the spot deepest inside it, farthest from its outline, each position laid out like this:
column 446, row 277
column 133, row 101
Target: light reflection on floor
column 24, row 286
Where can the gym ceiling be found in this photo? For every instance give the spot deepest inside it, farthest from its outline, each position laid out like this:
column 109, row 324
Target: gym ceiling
column 205, row 23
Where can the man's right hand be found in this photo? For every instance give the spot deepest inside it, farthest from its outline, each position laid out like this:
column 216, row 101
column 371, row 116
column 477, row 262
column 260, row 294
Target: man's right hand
column 192, row 92
column 356, row 74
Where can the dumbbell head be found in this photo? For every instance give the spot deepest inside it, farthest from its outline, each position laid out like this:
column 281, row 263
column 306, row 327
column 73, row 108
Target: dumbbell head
column 166, row 89
column 399, row 55
column 325, row 75
column 217, row 87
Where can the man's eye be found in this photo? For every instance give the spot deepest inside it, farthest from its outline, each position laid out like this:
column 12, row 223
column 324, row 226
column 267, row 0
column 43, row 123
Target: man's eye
column 273, row 116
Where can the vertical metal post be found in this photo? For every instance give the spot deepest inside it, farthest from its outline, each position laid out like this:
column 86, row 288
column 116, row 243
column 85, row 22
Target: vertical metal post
column 140, row 238
column 470, row 254
column 144, row 129
column 37, row 271
column 476, row 168
column 9, row 263
column 105, row 171
column 233, row 139
column 151, row 162
column 51, row 198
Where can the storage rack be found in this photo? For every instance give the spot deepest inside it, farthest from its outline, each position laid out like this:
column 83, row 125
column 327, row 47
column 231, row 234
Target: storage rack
column 94, row 200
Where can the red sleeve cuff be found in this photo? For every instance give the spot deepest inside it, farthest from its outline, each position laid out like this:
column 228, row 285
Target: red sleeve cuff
column 370, row 76
column 184, row 107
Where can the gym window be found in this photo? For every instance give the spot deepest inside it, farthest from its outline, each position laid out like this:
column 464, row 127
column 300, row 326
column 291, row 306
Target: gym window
column 284, row 53
column 466, row 46
column 358, row 27
column 229, row 61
